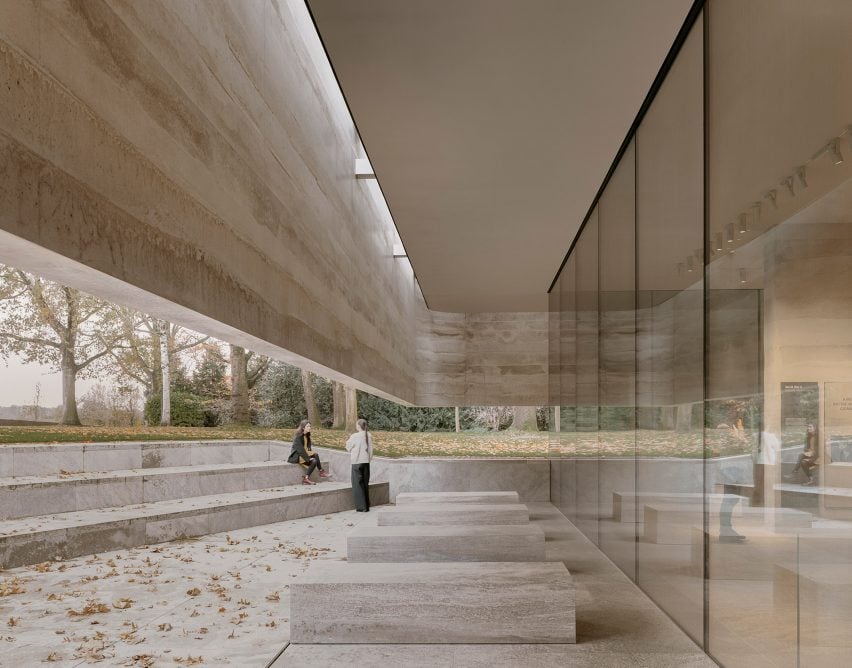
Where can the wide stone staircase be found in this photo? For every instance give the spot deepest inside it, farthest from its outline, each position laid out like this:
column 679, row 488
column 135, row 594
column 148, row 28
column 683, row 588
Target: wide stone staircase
column 67, row 500
column 465, row 569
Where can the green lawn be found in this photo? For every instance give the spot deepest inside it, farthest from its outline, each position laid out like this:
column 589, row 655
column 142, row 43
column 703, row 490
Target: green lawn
column 644, row 443
column 387, row 444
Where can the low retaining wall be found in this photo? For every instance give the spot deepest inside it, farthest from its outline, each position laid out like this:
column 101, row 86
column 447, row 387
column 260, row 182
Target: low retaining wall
column 530, row 478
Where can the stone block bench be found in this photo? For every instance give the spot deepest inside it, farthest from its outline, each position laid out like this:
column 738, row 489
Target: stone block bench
column 45, row 537
column 818, row 597
column 512, row 542
column 339, row 602
column 756, row 557
column 626, row 504
column 671, row 524
column 457, row 497
column 470, row 514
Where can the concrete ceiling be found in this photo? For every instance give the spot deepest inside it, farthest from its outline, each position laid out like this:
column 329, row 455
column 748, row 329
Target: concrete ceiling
column 491, row 124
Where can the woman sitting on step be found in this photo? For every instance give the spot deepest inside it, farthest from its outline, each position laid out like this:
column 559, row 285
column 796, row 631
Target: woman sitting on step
column 302, row 453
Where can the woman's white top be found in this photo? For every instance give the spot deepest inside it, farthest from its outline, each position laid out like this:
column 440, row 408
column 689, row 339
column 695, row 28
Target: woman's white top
column 360, row 451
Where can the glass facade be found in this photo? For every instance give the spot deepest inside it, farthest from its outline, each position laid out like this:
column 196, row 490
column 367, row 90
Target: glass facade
column 701, row 343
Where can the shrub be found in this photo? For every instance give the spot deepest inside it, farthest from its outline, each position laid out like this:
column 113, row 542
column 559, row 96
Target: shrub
column 187, row 409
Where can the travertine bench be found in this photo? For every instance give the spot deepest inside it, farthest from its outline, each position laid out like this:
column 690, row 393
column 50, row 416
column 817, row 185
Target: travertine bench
column 472, row 514
column 512, row 542
column 339, row 602
column 457, row 497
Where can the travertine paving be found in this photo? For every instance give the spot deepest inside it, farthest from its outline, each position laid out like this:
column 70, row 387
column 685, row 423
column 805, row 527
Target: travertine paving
column 222, row 599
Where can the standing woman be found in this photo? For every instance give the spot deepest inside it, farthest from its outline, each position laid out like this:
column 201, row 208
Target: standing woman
column 360, row 448
column 302, row 453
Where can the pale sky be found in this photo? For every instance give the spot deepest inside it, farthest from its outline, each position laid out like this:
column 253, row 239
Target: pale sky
column 18, row 383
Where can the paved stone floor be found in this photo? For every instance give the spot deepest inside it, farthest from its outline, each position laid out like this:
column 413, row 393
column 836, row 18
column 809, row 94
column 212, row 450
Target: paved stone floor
column 223, row 600
column 617, row 624
column 216, row 601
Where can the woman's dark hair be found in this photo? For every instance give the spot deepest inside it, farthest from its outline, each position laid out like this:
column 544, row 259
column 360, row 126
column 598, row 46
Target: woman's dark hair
column 362, row 423
column 306, row 437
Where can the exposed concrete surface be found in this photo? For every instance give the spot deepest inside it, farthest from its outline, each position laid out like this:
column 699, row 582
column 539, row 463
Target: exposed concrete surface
column 197, row 162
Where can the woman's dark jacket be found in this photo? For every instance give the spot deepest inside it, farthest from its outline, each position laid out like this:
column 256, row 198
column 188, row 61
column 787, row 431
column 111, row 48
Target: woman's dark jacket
column 298, row 450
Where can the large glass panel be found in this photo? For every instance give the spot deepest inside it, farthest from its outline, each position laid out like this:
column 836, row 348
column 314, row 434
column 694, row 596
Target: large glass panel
column 669, row 342
column 563, row 469
column 779, row 314
column 586, row 443
column 617, row 304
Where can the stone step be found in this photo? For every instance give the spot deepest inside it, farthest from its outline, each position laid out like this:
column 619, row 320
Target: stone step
column 339, row 603
column 35, row 539
column 43, row 495
column 27, row 459
column 457, row 497
column 513, row 542
column 470, row 514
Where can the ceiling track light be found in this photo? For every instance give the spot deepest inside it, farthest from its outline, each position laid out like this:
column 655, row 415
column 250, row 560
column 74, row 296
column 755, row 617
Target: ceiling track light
column 790, row 185
column 834, row 151
column 743, row 276
column 718, row 245
column 802, row 174
column 680, row 266
column 757, row 207
column 729, row 233
column 742, row 228
column 690, row 264
column 772, row 196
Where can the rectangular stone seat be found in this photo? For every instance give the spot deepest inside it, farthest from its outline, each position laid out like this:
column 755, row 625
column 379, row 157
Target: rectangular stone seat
column 756, row 557
column 454, row 513
column 340, row 602
column 672, row 524
column 820, row 595
column 457, row 497
column 625, row 504
column 513, row 542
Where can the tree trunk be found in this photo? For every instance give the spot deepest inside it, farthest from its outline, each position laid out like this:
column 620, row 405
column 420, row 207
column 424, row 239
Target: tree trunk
column 69, row 390
column 339, row 400
column 524, row 418
column 351, row 408
column 166, row 406
column 310, row 400
column 458, row 424
column 240, row 408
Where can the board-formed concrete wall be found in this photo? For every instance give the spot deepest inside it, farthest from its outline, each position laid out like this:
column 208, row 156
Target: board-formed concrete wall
column 196, row 160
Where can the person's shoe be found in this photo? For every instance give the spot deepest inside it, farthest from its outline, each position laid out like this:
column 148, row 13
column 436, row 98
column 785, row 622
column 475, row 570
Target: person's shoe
column 810, row 483
column 739, row 538
column 323, row 474
column 789, row 476
column 307, row 481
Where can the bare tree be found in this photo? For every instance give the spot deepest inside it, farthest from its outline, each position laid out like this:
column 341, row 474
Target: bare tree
column 310, row 399
column 351, row 403
column 247, row 369
column 141, row 355
column 54, row 325
column 524, row 418
column 165, row 372
column 338, row 397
